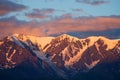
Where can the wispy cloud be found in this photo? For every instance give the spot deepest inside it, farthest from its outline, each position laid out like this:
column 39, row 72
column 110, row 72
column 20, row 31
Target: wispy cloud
column 40, row 13
column 35, row 15
column 7, row 6
column 93, row 2
column 67, row 15
column 78, row 10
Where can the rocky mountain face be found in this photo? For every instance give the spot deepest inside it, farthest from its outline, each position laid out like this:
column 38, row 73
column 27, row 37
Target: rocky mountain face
column 63, row 57
column 18, row 61
column 82, row 54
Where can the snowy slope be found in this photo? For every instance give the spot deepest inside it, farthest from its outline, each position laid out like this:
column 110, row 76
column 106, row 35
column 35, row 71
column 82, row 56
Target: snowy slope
column 68, row 47
column 65, row 53
column 1, row 42
column 40, row 41
column 70, row 50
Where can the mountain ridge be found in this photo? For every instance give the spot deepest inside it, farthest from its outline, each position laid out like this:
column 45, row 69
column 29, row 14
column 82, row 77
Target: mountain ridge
column 63, row 56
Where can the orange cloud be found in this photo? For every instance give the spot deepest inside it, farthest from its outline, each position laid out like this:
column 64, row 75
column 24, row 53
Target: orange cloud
column 61, row 25
column 83, row 24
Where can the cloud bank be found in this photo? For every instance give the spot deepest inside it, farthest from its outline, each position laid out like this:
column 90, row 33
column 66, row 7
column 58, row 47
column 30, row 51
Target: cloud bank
column 59, row 25
column 7, row 6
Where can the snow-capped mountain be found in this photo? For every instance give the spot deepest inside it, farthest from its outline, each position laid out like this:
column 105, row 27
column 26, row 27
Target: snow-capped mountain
column 39, row 41
column 59, row 57
column 81, row 54
column 17, row 53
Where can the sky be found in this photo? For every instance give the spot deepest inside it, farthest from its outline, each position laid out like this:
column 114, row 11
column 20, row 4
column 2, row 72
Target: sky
column 80, row 18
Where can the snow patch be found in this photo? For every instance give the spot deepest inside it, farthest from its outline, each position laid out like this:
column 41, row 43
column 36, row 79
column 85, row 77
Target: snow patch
column 17, row 41
column 76, row 58
column 92, row 39
column 40, row 41
column 44, row 50
column 110, row 44
column 71, row 38
column 40, row 54
column 52, row 57
column 9, row 59
column 97, row 47
column 1, row 42
column 64, row 53
column 92, row 64
column 8, row 53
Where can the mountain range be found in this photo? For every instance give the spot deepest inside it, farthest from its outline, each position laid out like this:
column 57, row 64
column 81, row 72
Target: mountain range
column 24, row 57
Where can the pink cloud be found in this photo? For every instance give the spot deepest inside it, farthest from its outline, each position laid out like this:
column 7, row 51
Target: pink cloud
column 61, row 25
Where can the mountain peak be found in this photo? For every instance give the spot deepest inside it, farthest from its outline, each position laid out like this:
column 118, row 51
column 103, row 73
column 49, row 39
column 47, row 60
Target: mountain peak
column 96, row 37
column 15, row 34
column 64, row 36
